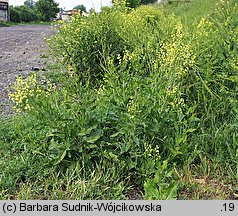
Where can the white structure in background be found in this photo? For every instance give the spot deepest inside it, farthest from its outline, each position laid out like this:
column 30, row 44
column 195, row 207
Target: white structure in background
column 66, row 15
column 4, row 10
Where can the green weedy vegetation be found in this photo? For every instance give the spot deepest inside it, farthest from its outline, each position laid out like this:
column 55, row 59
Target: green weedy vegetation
column 142, row 100
column 3, row 24
column 34, row 12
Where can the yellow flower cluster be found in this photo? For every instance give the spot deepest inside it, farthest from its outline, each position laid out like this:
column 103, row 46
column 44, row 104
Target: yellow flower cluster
column 150, row 152
column 25, row 89
column 177, row 56
column 100, row 91
column 174, row 96
column 203, row 27
column 131, row 108
column 70, row 71
column 119, row 3
column 234, row 62
column 127, row 57
column 172, row 90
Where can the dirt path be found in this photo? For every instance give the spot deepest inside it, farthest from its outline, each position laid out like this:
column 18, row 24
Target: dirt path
column 21, row 49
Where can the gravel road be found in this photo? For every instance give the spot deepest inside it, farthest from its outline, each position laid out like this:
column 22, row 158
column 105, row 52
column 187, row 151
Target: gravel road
column 21, row 51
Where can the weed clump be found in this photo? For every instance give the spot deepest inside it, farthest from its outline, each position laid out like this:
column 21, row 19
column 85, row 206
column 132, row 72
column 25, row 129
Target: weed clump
column 143, row 94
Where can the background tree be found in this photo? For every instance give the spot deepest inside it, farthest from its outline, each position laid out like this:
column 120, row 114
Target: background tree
column 134, row 3
column 47, row 8
column 14, row 14
column 30, row 3
column 23, row 14
column 81, row 8
column 148, row 1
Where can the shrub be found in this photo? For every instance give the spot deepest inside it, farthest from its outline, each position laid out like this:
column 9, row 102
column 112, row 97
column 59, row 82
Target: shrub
column 23, row 14
column 160, row 80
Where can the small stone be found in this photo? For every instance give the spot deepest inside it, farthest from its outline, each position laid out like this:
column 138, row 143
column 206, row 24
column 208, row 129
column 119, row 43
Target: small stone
column 35, row 69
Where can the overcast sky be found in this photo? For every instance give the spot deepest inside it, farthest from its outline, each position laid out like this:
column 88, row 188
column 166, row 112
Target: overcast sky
column 70, row 4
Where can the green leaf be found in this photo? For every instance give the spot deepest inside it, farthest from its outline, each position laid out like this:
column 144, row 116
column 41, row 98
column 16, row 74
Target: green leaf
column 190, row 130
column 84, row 131
column 58, row 151
column 91, row 146
column 164, row 165
column 116, row 134
column 60, row 157
column 125, row 148
column 94, row 136
column 171, row 191
column 53, row 145
column 113, row 156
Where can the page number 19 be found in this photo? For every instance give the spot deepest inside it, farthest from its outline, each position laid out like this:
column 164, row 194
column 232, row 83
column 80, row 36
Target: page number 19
column 228, row 207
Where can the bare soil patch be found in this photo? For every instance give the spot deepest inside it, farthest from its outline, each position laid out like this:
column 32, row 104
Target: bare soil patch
column 21, row 51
